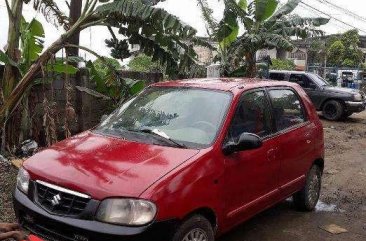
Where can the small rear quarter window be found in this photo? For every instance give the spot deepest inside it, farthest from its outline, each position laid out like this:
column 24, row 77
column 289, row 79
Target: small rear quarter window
column 277, row 76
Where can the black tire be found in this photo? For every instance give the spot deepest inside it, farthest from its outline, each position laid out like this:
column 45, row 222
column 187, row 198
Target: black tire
column 195, row 225
column 347, row 114
column 308, row 197
column 333, row 110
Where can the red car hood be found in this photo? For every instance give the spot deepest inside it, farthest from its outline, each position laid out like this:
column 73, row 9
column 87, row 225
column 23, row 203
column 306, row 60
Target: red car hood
column 103, row 166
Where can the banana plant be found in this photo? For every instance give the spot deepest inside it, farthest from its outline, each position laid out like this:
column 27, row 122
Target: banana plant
column 159, row 33
column 265, row 24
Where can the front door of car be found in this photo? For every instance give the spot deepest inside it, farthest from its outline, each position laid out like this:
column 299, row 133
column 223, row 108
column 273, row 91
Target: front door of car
column 294, row 137
column 251, row 177
column 313, row 91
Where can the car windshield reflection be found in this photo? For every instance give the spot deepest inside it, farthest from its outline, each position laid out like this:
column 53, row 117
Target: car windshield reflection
column 188, row 116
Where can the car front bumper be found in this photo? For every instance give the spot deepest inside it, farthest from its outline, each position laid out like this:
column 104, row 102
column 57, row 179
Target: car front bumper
column 355, row 107
column 58, row 228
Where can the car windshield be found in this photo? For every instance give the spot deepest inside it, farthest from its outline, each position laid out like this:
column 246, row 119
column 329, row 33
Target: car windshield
column 319, row 80
column 188, row 116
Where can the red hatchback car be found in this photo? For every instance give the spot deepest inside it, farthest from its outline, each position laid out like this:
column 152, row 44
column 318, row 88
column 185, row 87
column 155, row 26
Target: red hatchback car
column 182, row 161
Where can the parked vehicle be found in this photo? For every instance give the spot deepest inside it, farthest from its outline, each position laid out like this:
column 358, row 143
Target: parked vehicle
column 334, row 102
column 182, row 161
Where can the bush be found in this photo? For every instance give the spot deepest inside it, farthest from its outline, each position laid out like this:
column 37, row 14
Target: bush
column 278, row 64
column 144, row 63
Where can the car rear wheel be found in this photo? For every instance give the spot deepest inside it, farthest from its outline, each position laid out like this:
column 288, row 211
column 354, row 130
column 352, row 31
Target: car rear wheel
column 333, row 110
column 196, row 228
column 308, row 197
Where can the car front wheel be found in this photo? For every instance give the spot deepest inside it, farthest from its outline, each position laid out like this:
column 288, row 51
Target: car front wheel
column 333, row 110
column 196, row 228
column 308, row 197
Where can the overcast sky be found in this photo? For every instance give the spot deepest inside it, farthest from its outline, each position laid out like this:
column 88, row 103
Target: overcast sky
column 188, row 12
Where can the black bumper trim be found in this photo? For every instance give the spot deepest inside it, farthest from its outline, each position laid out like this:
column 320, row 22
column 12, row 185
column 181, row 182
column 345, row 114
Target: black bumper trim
column 355, row 107
column 58, row 228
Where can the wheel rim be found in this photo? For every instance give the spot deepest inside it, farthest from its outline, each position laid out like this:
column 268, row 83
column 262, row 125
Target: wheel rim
column 196, row 235
column 314, row 190
column 330, row 111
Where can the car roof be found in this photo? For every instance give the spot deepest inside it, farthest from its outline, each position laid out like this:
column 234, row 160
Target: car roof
column 288, row 71
column 224, row 84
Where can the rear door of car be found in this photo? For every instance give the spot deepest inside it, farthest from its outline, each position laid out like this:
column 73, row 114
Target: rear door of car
column 293, row 133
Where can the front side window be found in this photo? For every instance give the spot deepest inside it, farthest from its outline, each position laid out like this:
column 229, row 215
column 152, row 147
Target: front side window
column 287, row 108
column 253, row 115
column 189, row 116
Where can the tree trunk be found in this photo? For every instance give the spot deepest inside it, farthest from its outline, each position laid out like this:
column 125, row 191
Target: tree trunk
column 12, row 50
column 75, row 13
column 250, row 59
column 10, row 74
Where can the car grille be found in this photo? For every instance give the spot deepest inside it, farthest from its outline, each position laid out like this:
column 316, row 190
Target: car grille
column 60, row 201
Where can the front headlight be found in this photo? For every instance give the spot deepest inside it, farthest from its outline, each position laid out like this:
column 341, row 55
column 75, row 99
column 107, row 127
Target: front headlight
column 357, row 97
column 23, row 180
column 126, row 212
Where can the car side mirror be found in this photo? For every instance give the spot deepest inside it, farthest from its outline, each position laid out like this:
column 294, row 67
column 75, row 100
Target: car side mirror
column 247, row 141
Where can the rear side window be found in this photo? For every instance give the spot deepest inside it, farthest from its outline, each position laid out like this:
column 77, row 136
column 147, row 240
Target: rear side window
column 303, row 81
column 287, row 108
column 253, row 115
column 277, row 76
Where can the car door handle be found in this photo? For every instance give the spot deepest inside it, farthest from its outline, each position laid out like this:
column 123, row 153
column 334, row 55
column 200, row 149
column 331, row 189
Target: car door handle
column 271, row 154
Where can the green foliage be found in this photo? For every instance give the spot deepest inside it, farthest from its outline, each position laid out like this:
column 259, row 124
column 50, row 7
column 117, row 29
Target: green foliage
column 278, row 64
column 32, row 39
column 6, row 60
column 119, row 48
column 144, row 63
column 265, row 25
column 351, row 38
column 336, row 53
column 104, row 72
column 265, row 9
column 103, row 66
column 316, row 52
column 159, row 34
column 353, row 55
column 61, row 68
column 51, row 12
column 207, row 14
column 345, row 52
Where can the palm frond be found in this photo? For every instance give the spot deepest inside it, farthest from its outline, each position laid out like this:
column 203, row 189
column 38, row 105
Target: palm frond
column 286, row 9
column 52, row 13
column 151, row 2
column 120, row 10
column 207, row 14
column 170, row 51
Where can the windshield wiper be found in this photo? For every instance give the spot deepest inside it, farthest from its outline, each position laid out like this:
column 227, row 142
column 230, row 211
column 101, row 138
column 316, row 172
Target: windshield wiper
column 162, row 134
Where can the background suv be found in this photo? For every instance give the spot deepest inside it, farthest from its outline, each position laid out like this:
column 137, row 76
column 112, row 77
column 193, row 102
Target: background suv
column 334, row 102
column 182, row 161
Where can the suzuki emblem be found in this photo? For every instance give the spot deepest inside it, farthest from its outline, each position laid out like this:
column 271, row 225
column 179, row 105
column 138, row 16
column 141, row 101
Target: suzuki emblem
column 56, row 200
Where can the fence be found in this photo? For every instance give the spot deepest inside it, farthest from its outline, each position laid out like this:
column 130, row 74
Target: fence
column 50, row 116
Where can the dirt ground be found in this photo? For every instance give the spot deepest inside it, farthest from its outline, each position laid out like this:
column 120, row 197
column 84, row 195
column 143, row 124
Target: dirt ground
column 343, row 199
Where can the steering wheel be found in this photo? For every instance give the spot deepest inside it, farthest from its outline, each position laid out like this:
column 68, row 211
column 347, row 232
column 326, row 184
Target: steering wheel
column 205, row 125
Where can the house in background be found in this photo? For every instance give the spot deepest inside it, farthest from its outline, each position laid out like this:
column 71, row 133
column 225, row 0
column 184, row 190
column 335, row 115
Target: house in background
column 299, row 55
